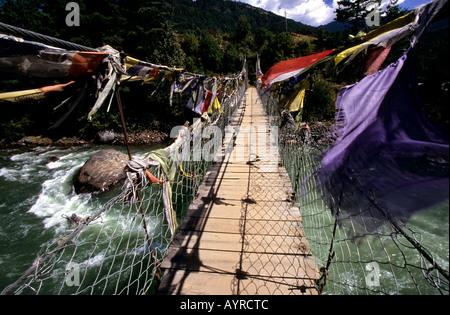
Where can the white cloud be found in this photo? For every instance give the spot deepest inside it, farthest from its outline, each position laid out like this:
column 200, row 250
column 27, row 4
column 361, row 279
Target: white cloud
column 313, row 12
column 310, row 12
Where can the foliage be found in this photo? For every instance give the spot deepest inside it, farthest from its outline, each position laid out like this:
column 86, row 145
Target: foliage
column 209, row 37
column 353, row 11
column 432, row 62
column 231, row 59
column 210, row 53
column 16, row 128
column 320, row 101
column 221, row 17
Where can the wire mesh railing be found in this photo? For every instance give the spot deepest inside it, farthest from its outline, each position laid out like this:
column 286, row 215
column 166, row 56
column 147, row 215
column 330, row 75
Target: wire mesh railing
column 121, row 253
column 357, row 254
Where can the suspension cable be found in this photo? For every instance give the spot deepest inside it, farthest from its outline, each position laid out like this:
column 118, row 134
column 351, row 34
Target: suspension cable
column 17, row 31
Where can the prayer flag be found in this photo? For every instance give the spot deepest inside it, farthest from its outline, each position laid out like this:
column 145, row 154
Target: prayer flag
column 287, row 69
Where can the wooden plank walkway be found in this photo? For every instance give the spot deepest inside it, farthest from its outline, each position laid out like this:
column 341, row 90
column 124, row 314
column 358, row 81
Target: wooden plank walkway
column 242, row 235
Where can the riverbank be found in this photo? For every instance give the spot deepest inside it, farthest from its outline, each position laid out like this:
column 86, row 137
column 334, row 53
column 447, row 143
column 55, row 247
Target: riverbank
column 145, row 138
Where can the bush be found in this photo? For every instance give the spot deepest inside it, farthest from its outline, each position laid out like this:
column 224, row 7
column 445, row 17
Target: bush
column 320, row 102
column 15, row 128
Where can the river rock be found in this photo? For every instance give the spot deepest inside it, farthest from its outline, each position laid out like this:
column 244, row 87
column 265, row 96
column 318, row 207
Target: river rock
column 34, row 141
column 101, row 172
column 106, row 136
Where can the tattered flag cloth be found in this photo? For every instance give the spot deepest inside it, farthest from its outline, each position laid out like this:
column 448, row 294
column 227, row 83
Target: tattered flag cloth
column 196, row 101
column 30, row 58
column 384, row 36
column 259, row 73
column 34, row 94
column 18, row 56
column 290, row 68
column 141, row 70
column 297, row 103
column 378, row 43
column 376, row 55
column 389, row 160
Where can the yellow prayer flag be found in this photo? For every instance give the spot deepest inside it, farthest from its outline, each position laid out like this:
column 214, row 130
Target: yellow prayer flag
column 395, row 24
column 297, row 103
column 214, row 107
column 130, row 61
column 19, row 95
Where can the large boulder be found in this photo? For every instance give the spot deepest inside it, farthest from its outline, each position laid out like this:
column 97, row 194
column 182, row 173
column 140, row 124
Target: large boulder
column 101, row 172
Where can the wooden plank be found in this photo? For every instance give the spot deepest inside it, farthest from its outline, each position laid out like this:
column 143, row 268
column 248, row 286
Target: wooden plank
column 182, row 282
column 238, row 207
column 234, row 225
column 252, row 264
column 214, row 206
column 241, row 234
column 213, row 225
column 201, row 283
column 272, row 211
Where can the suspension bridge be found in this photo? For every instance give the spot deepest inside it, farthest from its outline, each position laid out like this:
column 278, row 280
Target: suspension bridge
column 242, row 234
column 258, row 219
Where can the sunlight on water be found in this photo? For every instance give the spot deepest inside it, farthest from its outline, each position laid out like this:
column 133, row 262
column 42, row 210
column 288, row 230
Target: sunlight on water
column 36, row 195
column 399, row 265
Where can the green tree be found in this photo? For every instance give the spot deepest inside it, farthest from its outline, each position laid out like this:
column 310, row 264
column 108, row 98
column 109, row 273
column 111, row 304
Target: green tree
column 262, row 38
column 392, row 12
column 232, row 62
column 320, row 101
column 35, row 11
column 243, row 29
column 304, row 48
column 191, row 47
column 243, row 38
column 282, row 47
column 210, row 53
column 354, row 12
column 191, row 44
column 167, row 49
column 148, row 34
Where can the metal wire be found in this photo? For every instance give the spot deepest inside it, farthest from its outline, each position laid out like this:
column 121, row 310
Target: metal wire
column 30, row 35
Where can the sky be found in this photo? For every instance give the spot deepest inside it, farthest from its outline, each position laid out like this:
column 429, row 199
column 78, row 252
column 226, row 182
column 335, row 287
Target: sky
column 314, row 12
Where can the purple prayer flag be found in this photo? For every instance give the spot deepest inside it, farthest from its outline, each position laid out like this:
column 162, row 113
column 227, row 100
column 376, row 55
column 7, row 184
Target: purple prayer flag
column 389, row 160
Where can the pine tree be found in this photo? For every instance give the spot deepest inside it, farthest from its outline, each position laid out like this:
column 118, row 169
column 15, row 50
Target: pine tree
column 353, row 12
column 210, row 53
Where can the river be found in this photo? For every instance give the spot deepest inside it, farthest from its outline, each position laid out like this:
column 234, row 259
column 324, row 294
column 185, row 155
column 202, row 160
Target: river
column 370, row 261
column 36, row 194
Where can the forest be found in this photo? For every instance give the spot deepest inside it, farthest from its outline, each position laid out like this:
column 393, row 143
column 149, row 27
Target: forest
column 165, row 32
column 208, row 37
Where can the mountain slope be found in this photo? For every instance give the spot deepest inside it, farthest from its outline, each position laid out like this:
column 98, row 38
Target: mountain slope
column 222, row 16
column 336, row 26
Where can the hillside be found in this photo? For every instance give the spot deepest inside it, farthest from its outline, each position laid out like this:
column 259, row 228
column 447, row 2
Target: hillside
column 221, row 16
column 336, row 26
column 210, row 37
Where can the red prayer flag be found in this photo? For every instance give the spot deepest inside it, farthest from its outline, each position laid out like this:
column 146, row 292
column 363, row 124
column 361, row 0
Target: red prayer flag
column 287, row 69
column 85, row 63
